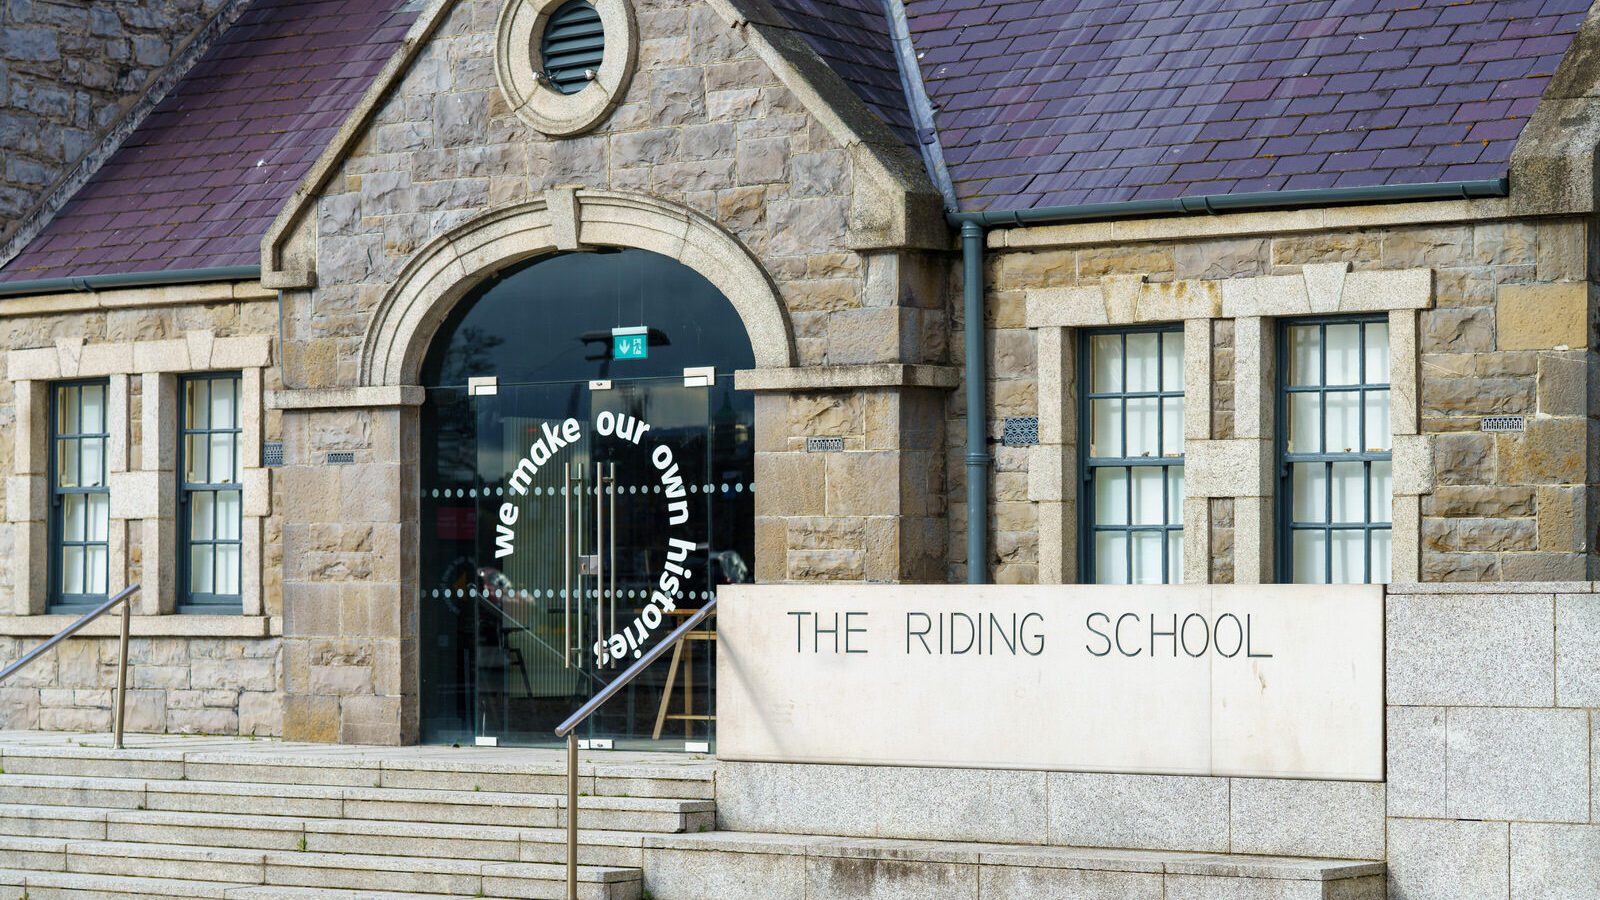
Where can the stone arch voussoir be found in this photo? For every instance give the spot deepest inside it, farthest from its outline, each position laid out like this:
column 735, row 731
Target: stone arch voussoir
column 444, row 270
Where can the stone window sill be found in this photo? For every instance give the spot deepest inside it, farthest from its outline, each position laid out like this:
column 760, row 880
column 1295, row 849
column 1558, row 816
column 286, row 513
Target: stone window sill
column 148, row 626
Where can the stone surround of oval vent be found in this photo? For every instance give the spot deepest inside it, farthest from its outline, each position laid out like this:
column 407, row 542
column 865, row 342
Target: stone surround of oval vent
column 553, row 76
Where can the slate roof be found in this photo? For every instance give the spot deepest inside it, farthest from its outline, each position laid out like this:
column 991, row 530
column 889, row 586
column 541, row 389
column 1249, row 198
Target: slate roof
column 1060, row 102
column 201, row 179
column 853, row 38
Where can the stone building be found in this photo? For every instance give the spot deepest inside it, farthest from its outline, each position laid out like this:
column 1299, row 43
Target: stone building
column 338, row 329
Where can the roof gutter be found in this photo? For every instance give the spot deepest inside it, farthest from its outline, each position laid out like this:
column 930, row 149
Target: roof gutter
column 1212, row 204
column 95, row 283
column 973, row 224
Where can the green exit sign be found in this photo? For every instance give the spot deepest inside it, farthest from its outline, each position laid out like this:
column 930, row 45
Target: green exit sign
column 630, row 343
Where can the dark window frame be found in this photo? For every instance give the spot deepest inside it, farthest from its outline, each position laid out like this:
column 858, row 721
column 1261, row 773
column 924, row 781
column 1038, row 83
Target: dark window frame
column 1087, row 465
column 190, row 601
column 1286, row 524
column 57, row 600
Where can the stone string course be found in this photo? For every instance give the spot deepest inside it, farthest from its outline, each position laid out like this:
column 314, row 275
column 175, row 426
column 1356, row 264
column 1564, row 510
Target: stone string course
column 67, row 71
column 1512, row 318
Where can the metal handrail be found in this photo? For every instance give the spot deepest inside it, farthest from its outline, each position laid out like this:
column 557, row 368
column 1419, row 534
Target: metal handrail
column 122, row 655
column 568, row 729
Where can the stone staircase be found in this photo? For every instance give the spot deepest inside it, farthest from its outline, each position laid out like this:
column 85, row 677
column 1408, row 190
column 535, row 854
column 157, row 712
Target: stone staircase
column 240, row 820
column 226, row 819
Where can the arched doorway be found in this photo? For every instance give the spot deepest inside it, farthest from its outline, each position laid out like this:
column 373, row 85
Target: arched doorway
column 587, row 479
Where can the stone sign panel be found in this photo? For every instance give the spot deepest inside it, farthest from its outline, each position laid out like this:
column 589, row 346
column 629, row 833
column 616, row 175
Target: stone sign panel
column 1248, row 680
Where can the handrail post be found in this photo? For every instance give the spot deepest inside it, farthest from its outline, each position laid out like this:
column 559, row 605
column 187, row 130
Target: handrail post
column 122, row 673
column 572, row 815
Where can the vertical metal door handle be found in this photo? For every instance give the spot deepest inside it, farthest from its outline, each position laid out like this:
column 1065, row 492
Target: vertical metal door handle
column 566, row 566
column 599, row 556
column 611, row 530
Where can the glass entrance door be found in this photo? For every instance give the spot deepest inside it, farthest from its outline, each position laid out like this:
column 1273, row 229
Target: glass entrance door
column 567, row 528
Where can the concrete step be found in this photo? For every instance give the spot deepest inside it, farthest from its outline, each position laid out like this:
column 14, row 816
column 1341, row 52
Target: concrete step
column 483, row 842
column 335, row 802
column 118, row 887
column 783, row 866
column 438, row 768
column 214, row 867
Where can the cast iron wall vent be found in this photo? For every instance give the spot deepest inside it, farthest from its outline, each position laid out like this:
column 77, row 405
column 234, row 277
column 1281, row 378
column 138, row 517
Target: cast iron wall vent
column 272, row 454
column 341, row 458
column 824, row 444
column 1503, row 424
column 1020, row 431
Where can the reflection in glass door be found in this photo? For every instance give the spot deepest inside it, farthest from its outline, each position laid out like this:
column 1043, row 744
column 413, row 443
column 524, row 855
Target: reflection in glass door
column 567, row 527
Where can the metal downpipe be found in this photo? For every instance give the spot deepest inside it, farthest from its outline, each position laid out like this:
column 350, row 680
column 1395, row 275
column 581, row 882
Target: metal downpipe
column 978, row 458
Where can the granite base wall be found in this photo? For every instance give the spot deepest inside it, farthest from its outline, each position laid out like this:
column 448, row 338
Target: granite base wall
column 228, row 686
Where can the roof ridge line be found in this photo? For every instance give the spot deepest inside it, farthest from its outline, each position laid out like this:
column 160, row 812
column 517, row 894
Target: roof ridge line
column 918, row 104
column 154, row 92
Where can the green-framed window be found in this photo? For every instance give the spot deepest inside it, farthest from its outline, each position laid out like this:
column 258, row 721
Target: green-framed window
column 1336, row 497
column 210, row 495
column 80, row 500
column 1131, row 426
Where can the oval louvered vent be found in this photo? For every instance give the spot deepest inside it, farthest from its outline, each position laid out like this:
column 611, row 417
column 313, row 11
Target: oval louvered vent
column 573, row 45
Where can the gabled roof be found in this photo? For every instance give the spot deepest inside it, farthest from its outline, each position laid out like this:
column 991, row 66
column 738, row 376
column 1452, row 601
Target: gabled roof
column 1065, row 102
column 853, row 38
column 199, row 181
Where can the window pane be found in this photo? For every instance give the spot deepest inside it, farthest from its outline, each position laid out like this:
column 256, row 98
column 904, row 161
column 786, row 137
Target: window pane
column 1147, row 555
column 1105, row 355
column 67, row 463
column 1310, row 560
column 1305, row 355
column 228, row 515
column 1175, row 557
column 1143, row 413
column 1149, row 500
column 1349, row 557
column 1111, row 557
column 1175, row 495
column 93, row 419
column 1172, row 361
column 1144, row 356
column 1105, row 428
column 1382, row 491
column 1111, row 496
column 1305, row 431
column 1343, row 423
column 196, row 453
column 92, row 462
column 200, row 580
column 1377, row 352
column 98, row 563
column 1349, row 492
column 72, row 570
column 1172, row 426
column 1381, row 557
column 99, row 517
column 197, row 404
column 74, row 517
column 1377, row 412
column 227, row 569
column 221, row 458
column 67, row 410
column 202, row 515
column 222, row 405
column 1310, row 491
column 1343, row 350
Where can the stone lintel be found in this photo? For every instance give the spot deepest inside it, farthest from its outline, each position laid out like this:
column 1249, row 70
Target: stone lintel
column 836, row 378
column 147, row 626
column 347, row 397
